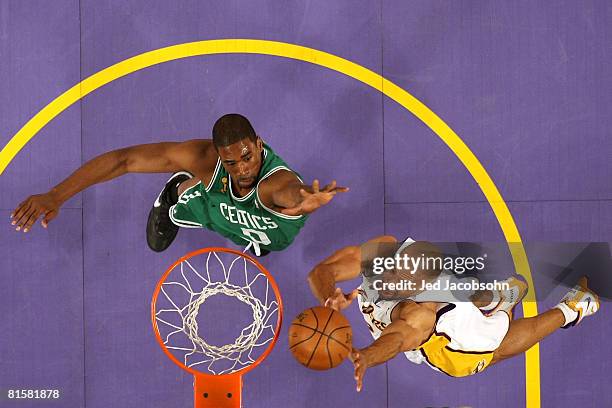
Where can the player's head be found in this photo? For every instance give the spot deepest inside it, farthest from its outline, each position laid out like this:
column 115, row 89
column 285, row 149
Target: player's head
column 427, row 257
column 239, row 148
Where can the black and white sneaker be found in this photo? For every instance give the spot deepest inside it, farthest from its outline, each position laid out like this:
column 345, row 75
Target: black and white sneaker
column 161, row 231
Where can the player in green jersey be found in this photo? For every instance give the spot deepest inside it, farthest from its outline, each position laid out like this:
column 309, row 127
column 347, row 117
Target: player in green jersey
column 233, row 184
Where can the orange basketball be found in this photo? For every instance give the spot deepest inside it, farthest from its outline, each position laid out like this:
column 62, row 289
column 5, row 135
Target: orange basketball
column 320, row 338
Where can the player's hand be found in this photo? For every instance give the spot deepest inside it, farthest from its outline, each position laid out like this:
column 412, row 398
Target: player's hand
column 360, row 363
column 340, row 301
column 26, row 213
column 318, row 198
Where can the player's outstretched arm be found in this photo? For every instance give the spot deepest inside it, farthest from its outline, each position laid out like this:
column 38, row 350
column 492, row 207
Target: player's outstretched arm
column 284, row 191
column 411, row 325
column 343, row 265
column 148, row 158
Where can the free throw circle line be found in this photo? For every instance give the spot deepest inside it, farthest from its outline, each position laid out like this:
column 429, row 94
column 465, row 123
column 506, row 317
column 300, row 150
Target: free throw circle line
column 346, row 67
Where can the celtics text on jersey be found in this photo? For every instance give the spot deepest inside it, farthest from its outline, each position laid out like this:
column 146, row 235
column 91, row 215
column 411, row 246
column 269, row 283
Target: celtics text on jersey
column 244, row 220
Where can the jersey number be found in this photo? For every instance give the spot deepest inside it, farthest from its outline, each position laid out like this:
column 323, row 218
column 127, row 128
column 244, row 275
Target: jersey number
column 255, row 236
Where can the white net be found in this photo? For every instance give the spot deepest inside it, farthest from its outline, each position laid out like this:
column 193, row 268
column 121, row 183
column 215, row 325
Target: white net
column 231, row 291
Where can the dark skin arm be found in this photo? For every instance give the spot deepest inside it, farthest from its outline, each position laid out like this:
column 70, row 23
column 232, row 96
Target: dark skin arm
column 196, row 156
column 412, row 324
column 284, row 192
column 345, row 264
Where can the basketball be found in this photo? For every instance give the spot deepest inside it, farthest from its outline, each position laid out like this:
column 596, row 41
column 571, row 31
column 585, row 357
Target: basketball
column 320, row 338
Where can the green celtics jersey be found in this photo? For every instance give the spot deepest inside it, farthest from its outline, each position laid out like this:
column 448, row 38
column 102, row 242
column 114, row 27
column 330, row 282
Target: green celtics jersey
column 244, row 220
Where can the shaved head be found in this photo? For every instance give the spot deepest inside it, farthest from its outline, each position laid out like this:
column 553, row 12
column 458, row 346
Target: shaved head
column 232, row 128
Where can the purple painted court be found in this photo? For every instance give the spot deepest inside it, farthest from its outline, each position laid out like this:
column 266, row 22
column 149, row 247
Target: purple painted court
column 526, row 86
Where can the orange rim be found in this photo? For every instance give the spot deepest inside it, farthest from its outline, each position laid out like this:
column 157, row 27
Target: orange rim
column 161, row 281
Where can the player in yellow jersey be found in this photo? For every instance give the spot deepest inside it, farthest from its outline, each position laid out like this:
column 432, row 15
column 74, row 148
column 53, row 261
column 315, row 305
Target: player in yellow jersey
column 458, row 338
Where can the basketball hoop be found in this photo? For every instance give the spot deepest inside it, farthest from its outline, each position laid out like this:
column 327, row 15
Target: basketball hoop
column 236, row 280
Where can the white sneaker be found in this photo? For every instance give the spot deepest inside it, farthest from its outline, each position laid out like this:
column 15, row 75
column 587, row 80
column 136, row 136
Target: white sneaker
column 511, row 297
column 578, row 303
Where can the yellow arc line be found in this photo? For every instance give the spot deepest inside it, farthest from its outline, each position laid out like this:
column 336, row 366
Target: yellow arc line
column 351, row 69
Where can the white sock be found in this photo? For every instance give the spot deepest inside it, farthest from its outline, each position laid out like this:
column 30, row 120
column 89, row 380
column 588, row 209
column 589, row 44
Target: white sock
column 569, row 314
